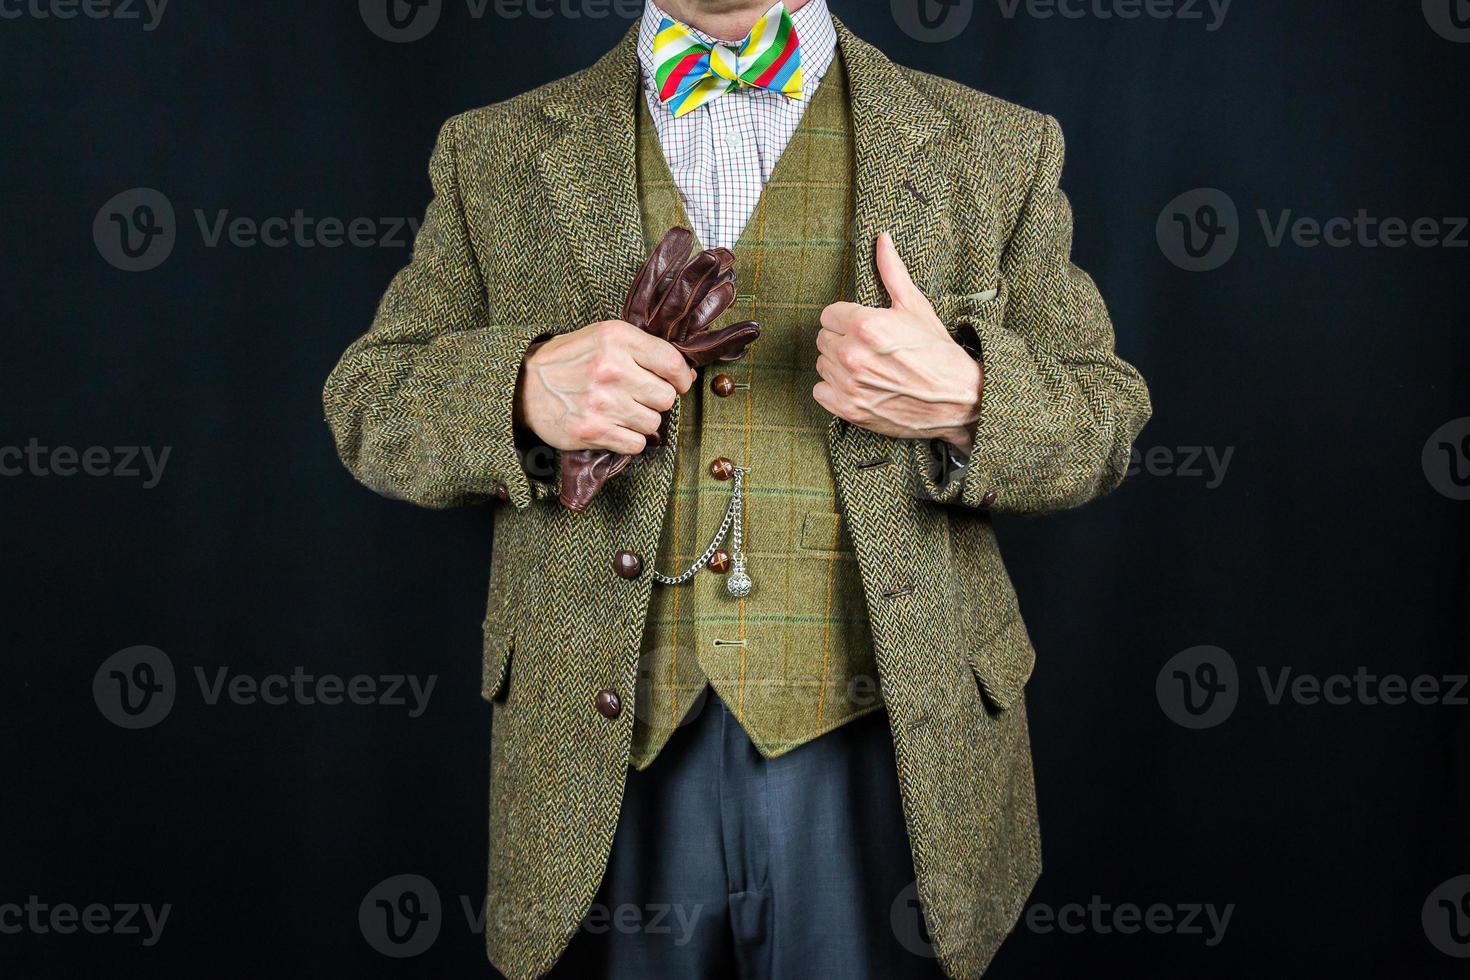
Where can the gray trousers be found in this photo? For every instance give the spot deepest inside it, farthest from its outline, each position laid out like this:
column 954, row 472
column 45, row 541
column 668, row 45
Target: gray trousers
column 728, row 864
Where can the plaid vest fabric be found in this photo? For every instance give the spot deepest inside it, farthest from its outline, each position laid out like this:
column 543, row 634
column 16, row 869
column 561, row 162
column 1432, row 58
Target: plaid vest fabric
column 795, row 658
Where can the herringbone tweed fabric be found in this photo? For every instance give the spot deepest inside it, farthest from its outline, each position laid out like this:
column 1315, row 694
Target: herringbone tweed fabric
column 535, row 228
column 794, row 659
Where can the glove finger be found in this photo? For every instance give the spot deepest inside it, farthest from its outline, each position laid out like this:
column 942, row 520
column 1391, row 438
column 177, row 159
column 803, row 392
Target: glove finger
column 672, row 251
column 584, row 472
column 727, row 344
column 688, row 288
column 715, row 302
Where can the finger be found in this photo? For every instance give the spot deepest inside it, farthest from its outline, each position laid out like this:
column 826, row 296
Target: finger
column 663, row 359
column 832, row 372
column 896, row 278
column 839, row 317
column 620, row 440
column 638, row 417
column 826, row 396
column 654, row 392
column 828, row 341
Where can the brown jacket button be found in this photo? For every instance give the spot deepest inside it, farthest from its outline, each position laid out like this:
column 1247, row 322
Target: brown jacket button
column 608, row 703
column 988, row 500
column 628, row 564
column 721, row 468
column 722, row 385
column 501, row 493
column 719, row 562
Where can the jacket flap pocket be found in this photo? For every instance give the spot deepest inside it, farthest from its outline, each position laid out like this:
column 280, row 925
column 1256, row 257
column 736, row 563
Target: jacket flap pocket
column 495, row 664
column 1003, row 662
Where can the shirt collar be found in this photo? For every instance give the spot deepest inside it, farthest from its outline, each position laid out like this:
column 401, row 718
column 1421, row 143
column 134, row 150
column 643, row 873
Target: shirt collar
column 814, row 28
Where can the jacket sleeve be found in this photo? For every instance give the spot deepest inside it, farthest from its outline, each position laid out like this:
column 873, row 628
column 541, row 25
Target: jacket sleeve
column 421, row 405
column 1059, row 409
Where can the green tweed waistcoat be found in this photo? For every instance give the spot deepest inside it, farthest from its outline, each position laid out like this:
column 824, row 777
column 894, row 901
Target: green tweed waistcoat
column 794, row 659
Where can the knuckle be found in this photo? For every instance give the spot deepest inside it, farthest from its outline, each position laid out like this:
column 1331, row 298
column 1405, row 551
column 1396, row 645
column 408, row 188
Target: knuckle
column 604, row 369
column 853, row 359
column 598, row 400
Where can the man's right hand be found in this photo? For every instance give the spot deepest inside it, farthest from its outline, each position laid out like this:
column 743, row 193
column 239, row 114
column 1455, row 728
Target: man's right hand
column 601, row 387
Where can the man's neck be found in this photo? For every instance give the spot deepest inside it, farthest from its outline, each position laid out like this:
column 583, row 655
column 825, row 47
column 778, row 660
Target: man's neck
column 727, row 20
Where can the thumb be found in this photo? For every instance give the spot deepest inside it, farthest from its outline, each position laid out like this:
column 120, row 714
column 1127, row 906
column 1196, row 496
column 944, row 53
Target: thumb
column 895, row 276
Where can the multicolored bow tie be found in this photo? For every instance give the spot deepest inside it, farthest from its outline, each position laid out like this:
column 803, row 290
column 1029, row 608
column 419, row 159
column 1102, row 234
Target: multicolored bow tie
column 692, row 73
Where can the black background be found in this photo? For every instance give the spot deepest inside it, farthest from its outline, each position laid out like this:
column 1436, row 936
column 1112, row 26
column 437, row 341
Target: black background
column 1324, row 549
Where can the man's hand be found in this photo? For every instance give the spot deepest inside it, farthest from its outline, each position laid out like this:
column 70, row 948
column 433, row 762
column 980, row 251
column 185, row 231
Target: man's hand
column 600, row 387
column 897, row 372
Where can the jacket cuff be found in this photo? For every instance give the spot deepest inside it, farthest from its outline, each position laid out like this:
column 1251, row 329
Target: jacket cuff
column 482, row 443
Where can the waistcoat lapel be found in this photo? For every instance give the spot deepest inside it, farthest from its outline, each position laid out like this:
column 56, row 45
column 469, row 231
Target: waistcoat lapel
column 591, row 175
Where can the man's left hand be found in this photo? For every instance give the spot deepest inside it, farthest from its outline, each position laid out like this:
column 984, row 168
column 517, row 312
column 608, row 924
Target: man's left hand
column 897, row 371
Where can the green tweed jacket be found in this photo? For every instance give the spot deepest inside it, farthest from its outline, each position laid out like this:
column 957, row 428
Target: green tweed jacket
column 535, row 228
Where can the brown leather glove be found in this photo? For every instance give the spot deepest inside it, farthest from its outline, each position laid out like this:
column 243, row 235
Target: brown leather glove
column 675, row 297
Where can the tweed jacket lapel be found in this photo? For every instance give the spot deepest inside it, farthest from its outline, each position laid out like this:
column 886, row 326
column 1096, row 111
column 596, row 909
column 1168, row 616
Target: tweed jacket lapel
column 900, row 183
column 900, row 188
column 590, row 171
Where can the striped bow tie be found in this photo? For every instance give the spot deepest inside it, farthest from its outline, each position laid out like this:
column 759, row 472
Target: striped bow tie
column 692, row 73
